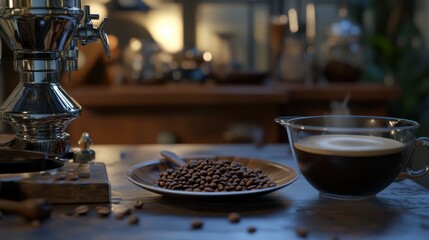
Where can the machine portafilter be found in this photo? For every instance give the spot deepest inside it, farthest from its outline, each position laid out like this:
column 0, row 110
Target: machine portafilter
column 43, row 35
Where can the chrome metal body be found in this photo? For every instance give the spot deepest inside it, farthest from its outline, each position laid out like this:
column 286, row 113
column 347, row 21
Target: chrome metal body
column 43, row 35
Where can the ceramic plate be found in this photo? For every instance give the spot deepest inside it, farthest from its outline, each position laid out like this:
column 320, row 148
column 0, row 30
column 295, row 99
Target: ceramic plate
column 146, row 174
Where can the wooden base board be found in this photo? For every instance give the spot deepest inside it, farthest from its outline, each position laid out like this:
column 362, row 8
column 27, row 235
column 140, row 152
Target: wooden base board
column 63, row 187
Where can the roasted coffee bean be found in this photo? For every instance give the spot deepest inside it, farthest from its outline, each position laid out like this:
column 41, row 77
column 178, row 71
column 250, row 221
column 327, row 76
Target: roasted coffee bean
column 251, row 229
column 138, row 204
column 103, row 211
column 213, row 176
column 249, row 183
column 197, row 224
column 302, row 232
column 122, row 212
column 234, row 217
column 133, row 219
column 81, row 210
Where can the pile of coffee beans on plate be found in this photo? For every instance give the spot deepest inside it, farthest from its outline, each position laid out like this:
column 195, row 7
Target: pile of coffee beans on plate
column 210, row 175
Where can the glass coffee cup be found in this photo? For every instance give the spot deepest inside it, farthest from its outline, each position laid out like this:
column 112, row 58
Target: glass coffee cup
column 353, row 157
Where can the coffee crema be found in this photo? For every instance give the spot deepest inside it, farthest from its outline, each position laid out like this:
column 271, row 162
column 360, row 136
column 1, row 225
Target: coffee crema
column 349, row 145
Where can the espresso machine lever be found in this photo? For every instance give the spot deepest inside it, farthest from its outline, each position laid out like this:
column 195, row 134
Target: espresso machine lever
column 87, row 33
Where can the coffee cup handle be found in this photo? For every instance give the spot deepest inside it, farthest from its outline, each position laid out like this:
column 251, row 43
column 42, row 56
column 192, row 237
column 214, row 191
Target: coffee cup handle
column 408, row 172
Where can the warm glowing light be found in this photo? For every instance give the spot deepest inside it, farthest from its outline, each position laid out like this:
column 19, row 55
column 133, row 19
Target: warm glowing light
column 165, row 25
column 207, row 56
column 293, row 20
column 280, row 20
column 135, row 44
column 97, row 7
column 311, row 21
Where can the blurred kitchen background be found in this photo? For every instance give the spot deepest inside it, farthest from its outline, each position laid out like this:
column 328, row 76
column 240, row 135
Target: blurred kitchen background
column 217, row 71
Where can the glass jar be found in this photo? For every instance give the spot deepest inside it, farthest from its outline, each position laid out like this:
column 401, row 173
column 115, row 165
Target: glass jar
column 143, row 61
column 342, row 55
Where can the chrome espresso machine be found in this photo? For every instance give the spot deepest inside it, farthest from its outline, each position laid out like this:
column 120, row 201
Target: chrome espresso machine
column 43, row 35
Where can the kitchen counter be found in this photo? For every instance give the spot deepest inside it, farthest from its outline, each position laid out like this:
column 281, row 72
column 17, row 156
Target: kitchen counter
column 294, row 212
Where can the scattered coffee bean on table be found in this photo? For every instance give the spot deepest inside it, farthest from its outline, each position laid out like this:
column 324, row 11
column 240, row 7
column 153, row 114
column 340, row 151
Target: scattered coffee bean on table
column 210, row 175
column 133, row 219
column 138, row 204
column 103, row 211
column 234, row 217
column 121, row 213
column 197, row 224
column 81, row 210
column 302, row 232
column 251, row 229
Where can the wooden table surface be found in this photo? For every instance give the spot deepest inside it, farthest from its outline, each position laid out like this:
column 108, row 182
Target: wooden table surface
column 399, row 212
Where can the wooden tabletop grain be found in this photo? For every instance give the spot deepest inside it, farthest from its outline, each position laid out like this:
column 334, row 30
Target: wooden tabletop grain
column 295, row 212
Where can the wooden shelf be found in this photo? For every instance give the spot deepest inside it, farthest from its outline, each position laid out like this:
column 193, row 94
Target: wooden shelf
column 208, row 113
column 338, row 91
column 177, row 94
column 199, row 94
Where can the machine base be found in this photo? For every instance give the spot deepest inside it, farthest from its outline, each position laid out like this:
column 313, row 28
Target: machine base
column 63, row 187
